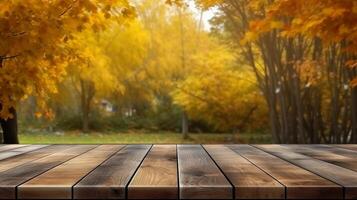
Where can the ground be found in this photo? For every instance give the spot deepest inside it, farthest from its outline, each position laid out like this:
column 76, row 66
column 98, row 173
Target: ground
column 75, row 137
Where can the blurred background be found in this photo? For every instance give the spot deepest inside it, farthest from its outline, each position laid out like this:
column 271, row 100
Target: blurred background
column 196, row 73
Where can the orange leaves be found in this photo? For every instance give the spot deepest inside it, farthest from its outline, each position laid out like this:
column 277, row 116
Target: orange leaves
column 309, row 72
column 35, row 30
column 354, row 82
column 352, row 64
column 332, row 21
column 258, row 27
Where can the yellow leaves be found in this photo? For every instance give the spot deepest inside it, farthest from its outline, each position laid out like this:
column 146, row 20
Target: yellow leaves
column 88, row 5
column 175, row 2
column 343, row 29
column 36, row 30
column 256, row 5
column 328, row 11
column 206, row 4
column 250, row 36
column 214, row 91
column 309, row 72
column 297, row 21
column 258, row 27
column 218, row 95
column 276, row 24
column 38, row 114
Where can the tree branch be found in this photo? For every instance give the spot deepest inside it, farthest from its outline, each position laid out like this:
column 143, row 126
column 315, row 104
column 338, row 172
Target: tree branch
column 67, row 9
column 9, row 57
column 17, row 34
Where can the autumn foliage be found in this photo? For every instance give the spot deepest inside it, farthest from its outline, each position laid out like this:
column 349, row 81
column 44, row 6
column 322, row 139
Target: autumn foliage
column 303, row 54
column 287, row 66
column 32, row 33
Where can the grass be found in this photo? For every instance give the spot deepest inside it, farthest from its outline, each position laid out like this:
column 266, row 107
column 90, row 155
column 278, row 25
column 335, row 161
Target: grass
column 75, row 137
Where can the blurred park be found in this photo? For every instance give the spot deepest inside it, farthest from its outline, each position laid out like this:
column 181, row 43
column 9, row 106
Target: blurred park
column 176, row 71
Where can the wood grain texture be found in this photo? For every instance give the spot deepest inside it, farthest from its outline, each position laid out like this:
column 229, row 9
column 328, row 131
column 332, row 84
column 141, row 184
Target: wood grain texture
column 342, row 176
column 10, row 179
column 10, row 146
column 249, row 181
column 299, row 183
column 183, row 171
column 19, row 151
column 109, row 180
column 15, row 161
column 347, row 146
column 341, row 157
column 57, row 183
column 199, row 177
column 156, row 178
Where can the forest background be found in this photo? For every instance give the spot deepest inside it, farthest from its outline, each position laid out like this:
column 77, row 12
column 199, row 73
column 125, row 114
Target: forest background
column 204, row 71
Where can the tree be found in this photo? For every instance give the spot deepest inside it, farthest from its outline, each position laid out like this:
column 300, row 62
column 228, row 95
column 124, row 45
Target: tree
column 174, row 37
column 220, row 93
column 128, row 52
column 335, row 23
column 32, row 32
column 298, row 51
column 90, row 72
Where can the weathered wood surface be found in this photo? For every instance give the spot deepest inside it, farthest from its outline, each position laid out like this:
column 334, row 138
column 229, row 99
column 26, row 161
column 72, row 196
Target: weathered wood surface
column 347, row 146
column 157, row 176
column 20, row 150
column 110, row 179
column 249, row 181
column 178, row 172
column 199, row 177
column 299, row 183
column 342, row 176
column 341, row 157
column 10, row 179
column 30, row 156
column 10, row 146
column 51, row 185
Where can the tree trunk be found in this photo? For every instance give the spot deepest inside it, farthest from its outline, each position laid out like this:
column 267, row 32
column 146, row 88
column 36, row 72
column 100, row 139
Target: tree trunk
column 184, row 125
column 85, row 120
column 354, row 115
column 87, row 94
column 9, row 128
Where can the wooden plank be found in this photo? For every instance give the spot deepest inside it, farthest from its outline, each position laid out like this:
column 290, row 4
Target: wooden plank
column 199, row 177
column 249, row 181
column 347, row 146
column 299, row 183
column 10, row 146
column 15, row 161
column 20, row 150
column 10, row 179
column 336, row 150
column 342, row 176
column 157, row 176
column 109, row 180
column 57, row 183
column 341, row 157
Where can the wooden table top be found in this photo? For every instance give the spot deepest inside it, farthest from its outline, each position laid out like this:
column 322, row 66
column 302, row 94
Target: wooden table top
column 146, row 171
